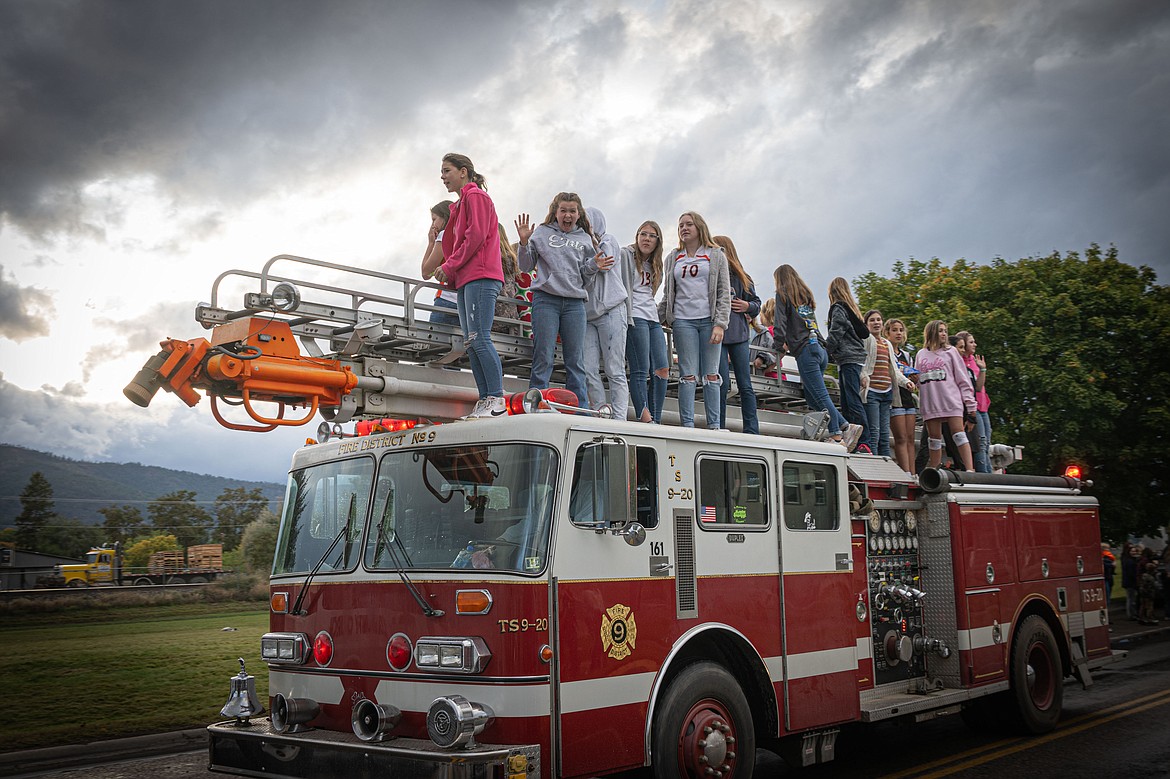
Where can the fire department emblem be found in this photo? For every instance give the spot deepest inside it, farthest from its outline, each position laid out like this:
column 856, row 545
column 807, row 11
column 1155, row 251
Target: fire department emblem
column 619, row 632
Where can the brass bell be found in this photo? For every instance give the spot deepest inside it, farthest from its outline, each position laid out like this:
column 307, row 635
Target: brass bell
column 242, row 703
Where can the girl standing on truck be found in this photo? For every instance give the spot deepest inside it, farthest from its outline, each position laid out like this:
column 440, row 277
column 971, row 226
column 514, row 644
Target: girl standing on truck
column 795, row 331
column 471, row 246
column 445, row 298
column 645, row 341
column 745, row 305
column 562, row 253
column 697, row 306
column 946, row 393
column 904, row 412
column 847, row 335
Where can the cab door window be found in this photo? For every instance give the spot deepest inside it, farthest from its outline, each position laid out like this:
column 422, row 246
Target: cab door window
column 810, row 496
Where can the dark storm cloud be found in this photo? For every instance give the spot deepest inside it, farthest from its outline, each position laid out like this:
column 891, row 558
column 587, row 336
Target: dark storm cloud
column 25, row 312
column 215, row 98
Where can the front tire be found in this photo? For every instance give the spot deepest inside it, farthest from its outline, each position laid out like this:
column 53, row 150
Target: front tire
column 703, row 722
column 1037, row 677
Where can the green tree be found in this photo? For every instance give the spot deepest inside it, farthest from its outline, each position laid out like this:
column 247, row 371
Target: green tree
column 259, row 543
column 178, row 513
column 122, row 523
column 69, row 537
column 137, row 556
column 235, row 509
column 1071, row 343
column 36, row 512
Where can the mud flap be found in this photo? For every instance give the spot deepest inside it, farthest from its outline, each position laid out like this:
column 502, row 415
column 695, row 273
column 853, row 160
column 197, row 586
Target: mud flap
column 1081, row 664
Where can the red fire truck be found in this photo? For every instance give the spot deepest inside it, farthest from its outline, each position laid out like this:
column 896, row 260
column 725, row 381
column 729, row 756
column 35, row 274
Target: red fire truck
column 554, row 593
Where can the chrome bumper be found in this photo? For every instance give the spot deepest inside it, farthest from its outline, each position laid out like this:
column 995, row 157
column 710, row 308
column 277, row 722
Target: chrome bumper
column 258, row 750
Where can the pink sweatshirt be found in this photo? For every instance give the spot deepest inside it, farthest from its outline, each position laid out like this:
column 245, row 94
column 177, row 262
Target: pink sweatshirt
column 471, row 241
column 946, row 389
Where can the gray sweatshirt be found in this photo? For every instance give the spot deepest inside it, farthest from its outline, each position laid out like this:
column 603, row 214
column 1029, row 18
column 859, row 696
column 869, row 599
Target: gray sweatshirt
column 563, row 261
column 718, row 286
column 608, row 289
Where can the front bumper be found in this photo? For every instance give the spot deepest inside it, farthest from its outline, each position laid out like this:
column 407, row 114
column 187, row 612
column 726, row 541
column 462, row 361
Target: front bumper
column 258, row 750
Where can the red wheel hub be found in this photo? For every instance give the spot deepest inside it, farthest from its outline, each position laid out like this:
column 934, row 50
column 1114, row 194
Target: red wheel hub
column 706, row 741
column 1040, row 676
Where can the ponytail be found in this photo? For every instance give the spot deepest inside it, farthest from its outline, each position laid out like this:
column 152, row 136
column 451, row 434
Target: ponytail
column 461, row 161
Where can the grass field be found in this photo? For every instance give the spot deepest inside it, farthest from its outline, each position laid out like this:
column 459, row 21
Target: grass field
column 148, row 669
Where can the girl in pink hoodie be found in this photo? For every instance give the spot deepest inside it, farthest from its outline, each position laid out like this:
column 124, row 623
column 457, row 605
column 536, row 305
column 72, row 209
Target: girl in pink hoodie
column 471, row 251
column 946, row 393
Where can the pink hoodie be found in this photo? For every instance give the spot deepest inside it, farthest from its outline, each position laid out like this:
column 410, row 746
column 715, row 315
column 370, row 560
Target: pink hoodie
column 471, row 242
column 950, row 395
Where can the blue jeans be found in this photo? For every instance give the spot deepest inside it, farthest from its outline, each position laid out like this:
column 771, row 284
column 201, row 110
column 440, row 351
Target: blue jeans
column 698, row 358
column 877, row 412
column 852, row 406
column 811, row 362
column 740, row 362
column 477, row 309
column 442, row 318
column 980, row 449
column 553, row 315
column 646, row 353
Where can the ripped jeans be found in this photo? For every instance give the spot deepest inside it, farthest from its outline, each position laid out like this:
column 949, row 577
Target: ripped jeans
column 698, row 358
column 477, row 309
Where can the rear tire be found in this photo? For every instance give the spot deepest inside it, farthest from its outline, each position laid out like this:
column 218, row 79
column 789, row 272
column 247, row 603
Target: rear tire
column 77, row 584
column 703, row 721
column 142, row 582
column 197, row 580
column 1037, row 677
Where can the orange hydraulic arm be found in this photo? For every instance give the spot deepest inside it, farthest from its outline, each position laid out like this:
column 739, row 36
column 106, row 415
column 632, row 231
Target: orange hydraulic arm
column 248, row 360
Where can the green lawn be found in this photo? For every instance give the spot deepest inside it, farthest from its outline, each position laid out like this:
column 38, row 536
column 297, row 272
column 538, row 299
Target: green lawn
column 143, row 670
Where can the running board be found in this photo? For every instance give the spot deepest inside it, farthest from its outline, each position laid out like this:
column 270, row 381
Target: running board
column 883, row 706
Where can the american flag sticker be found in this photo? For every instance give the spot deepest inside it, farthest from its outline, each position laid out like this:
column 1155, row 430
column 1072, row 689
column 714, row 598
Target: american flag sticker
column 708, row 514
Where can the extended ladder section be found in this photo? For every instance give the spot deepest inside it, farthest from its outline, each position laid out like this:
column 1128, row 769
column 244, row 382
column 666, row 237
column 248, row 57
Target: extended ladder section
column 376, row 327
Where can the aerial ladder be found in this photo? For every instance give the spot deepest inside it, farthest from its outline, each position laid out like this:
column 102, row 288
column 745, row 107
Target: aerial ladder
column 304, row 345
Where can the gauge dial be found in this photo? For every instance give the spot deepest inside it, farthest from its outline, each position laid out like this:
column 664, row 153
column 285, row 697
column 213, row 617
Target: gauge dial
column 875, row 521
column 873, row 543
column 886, row 527
column 911, row 520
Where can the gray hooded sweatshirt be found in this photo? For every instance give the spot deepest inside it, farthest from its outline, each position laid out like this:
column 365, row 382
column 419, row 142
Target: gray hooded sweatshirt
column 563, row 261
column 608, row 289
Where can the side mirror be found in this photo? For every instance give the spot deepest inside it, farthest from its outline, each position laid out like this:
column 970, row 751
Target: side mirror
column 633, row 533
column 604, row 480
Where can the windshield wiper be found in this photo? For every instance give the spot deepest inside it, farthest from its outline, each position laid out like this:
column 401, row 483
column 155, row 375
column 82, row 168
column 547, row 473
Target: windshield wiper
column 427, row 609
column 296, row 609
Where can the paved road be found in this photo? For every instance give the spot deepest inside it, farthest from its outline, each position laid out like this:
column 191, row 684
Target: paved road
column 1117, row 727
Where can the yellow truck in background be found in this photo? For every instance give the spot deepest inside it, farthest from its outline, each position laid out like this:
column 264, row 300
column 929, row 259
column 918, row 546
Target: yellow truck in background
column 103, row 565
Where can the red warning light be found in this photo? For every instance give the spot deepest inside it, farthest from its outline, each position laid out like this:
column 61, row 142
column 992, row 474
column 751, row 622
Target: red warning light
column 1073, row 471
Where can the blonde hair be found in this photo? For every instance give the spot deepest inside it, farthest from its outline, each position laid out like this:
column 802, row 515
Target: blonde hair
column 839, row 293
column 655, row 257
column 791, row 289
column 462, row 161
column 768, row 312
column 931, row 338
column 701, row 226
column 733, row 263
column 508, row 258
column 889, row 324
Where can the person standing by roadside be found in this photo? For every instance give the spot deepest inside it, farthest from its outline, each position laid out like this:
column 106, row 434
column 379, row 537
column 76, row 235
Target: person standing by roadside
column 981, row 446
column 696, row 305
column 745, row 305
column 471, row 251
column 645, row 341
column 608, row 314
column 1129, row 577
column 1147, row 591
column 795, row 331
column 1109, row 566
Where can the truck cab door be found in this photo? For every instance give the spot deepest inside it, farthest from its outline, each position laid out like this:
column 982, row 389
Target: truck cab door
column 818, row 605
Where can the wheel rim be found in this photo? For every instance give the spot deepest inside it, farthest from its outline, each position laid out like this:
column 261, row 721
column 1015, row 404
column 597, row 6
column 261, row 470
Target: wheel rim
column 1040, row 677
column 707, row 741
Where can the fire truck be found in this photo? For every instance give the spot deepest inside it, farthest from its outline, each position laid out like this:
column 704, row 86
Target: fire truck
column 558, row 593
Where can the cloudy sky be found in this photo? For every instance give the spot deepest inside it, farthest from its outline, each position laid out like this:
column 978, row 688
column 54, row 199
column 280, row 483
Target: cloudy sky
column 147, row 146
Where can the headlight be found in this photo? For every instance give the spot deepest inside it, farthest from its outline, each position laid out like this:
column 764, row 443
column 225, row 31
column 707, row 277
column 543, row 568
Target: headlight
column 455, row 655
column 284, row 648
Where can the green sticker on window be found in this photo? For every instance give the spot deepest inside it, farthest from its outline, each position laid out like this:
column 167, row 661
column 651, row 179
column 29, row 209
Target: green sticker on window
column 739, row 514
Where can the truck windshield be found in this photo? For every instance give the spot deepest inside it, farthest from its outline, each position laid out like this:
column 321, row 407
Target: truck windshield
column 321, row 502
column 479, row 506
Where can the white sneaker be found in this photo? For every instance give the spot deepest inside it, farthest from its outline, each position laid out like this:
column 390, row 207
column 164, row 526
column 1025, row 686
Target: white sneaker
column 475, row 412
column 489, row 407
column 852, row 435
